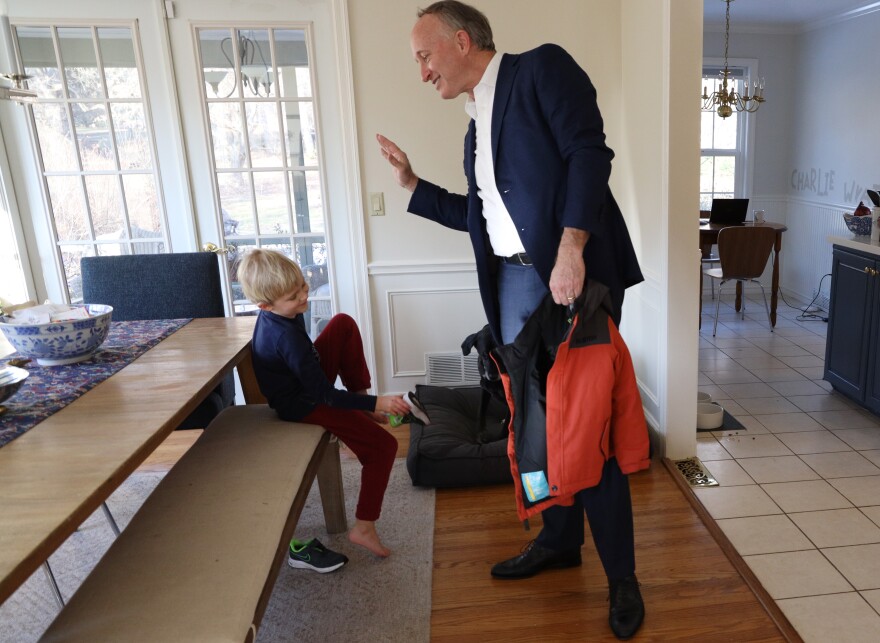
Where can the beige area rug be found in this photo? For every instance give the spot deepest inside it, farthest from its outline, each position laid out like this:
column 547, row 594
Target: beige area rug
column 368, row 599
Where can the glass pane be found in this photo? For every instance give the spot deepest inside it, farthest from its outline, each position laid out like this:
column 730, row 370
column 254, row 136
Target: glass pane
column 93, row 136
column 143, row 205
column 706, row 202
column 263, row 134
column 725, row 172
column 39, row 61
column 307, row 202
column 68, row 208
column 255, row 63
column 292, row 58
column 235, row 199
column 120, row 66
column 706, row 129
column 707, row 174
column 132, row 139
column 725, row 132
column 215, row 50
column 270, row 189
column 241, row 305
column 149, row 248
column 13, row 287
column 55, row 138
column 105, row 204
column 70, row 258
column 229, row 151
column 300, row 133
column 310, row 251
column 80, row 63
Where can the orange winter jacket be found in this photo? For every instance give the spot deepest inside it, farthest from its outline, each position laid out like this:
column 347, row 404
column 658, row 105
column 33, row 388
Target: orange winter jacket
column 574, row 402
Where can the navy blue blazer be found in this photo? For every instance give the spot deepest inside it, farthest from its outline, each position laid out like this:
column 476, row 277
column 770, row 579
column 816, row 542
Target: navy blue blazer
column 551, row 168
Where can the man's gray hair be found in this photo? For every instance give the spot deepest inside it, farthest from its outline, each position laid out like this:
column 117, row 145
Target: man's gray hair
column 460, row 16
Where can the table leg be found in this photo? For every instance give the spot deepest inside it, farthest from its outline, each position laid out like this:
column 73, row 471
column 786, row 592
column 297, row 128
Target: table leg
column 774, row 285
column 739, row 296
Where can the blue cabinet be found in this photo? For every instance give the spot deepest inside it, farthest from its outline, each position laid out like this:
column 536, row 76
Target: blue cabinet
column 852, row 353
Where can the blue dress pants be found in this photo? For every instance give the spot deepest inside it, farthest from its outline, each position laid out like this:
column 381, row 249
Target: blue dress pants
column 608, row 505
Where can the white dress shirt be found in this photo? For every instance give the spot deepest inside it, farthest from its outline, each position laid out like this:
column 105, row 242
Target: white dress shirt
column 502, row 231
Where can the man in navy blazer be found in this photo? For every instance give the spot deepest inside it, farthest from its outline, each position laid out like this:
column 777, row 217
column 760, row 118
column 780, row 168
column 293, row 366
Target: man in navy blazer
column 541, row 218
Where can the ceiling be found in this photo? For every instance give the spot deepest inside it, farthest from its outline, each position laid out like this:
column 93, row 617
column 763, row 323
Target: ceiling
column 781, row 14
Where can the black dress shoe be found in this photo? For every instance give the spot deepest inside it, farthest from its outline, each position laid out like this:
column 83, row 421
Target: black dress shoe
column 627, row 609
column 535, row 558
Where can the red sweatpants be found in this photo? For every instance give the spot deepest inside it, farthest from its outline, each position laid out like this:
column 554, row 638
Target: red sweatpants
column 342, row 355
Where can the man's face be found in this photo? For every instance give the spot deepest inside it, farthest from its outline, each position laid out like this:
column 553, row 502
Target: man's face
column 440, row 55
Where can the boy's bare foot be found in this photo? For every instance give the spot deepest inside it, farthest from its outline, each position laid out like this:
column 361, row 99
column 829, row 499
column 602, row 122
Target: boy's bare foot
column 364, row 534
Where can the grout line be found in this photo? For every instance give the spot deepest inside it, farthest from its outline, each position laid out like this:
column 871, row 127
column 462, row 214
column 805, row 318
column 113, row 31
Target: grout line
column 767, row 602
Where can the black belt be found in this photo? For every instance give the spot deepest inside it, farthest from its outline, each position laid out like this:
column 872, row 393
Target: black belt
column 520, row 259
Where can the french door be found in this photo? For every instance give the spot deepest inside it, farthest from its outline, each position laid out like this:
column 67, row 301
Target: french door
column 245, row 130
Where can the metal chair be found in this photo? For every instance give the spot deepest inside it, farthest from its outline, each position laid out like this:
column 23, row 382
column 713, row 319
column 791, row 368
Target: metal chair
column 743, row 252
column 712, row 259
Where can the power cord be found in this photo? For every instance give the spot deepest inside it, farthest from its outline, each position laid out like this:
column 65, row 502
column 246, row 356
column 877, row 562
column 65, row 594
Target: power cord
column 808, row 316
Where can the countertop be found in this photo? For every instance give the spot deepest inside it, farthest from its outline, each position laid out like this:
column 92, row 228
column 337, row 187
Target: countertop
column 857, row 242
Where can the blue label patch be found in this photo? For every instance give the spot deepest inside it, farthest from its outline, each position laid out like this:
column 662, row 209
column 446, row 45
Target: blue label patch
column 535, row 485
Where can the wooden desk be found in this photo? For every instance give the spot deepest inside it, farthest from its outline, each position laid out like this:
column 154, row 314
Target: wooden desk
column 54, row 476
column 709, row 237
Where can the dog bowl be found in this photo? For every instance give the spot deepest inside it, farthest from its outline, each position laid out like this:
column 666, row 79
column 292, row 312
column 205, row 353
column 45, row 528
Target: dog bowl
column 65, row 342
column 703, row 398
column 11, row 379
column 709, row 416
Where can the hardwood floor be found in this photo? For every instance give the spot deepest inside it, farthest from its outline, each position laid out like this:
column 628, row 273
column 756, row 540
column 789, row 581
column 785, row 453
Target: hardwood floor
column 692, row 592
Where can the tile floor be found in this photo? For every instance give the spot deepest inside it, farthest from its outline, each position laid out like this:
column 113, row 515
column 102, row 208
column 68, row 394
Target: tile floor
column 799, row 489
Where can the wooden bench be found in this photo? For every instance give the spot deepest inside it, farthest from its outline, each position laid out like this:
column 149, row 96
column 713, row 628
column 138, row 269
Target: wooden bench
column 200, row 558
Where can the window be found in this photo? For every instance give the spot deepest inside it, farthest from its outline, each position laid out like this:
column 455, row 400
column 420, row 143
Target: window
column 723, row 143
column 94, row 142
column 13, row 288
column 260, row 105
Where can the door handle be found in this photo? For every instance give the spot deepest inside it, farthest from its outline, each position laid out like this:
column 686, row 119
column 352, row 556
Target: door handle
column 217, row 250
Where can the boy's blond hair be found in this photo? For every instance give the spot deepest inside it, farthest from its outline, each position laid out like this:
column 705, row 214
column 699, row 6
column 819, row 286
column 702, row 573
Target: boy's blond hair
column 266, row 275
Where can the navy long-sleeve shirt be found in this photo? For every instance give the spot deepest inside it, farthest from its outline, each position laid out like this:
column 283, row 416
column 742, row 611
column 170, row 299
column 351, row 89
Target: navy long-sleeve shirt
column 289, row 373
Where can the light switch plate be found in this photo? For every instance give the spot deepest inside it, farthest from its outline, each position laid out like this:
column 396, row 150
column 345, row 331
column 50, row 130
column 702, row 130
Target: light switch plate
column 377, row 204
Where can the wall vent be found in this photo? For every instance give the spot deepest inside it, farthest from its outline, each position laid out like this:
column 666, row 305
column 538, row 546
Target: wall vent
column 452, row 369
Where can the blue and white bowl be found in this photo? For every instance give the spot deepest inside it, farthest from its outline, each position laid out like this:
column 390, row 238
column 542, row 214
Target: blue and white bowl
column 58, row 343
column 858, row 225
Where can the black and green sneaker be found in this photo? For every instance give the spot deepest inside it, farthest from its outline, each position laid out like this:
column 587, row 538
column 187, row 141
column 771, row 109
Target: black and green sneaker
column 313, row 555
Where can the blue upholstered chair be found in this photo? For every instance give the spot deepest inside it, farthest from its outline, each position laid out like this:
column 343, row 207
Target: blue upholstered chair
column 162, row 286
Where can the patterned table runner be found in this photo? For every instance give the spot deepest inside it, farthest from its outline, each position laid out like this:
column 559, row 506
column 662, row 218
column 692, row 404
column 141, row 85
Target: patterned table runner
column 48, row 389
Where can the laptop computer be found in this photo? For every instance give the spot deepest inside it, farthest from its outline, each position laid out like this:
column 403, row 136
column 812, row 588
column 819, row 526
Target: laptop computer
column 729, row 211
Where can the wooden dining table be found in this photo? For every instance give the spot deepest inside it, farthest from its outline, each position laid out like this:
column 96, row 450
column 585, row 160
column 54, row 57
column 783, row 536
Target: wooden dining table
column 56, row 474
column 709, row 237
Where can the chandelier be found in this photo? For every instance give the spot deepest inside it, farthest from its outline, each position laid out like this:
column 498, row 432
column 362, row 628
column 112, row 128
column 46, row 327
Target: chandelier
column 255, row 73
column 17, row 92
column 725, row 99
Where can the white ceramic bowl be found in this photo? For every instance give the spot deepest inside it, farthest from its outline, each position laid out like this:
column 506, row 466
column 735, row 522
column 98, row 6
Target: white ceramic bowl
column 58, row 343
column 709, row 416
column 703, row 398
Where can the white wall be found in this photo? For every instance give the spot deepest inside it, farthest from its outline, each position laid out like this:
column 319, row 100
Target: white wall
column 406, row 253
column 629, row 50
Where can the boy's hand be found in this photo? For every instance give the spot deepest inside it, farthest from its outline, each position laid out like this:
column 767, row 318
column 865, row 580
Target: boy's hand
column 392, row 405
